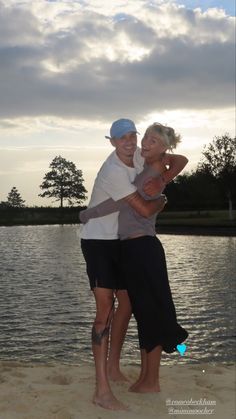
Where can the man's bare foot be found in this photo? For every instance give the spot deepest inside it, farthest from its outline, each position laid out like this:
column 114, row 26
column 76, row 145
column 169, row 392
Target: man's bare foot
column 117, row 375
column 108, row 401
column 142, row 387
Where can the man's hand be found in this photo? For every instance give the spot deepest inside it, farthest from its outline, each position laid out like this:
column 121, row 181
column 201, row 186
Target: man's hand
column 82, row 217
column 153, row 185
column 162, row 202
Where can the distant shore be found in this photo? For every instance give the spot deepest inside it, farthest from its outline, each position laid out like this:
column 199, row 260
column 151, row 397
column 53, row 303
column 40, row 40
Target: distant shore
column 194, row 222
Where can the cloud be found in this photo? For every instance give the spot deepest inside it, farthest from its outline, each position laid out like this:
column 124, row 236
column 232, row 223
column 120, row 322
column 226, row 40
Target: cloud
column 68, row 68
column 85, row 63
column 226, row 6
column 18, row 27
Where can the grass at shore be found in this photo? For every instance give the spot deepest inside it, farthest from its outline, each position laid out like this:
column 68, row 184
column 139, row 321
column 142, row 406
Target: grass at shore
column 197, row 218
column 197, row 222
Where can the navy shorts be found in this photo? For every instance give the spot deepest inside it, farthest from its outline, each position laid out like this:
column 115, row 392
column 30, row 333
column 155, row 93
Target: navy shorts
column 103, row 263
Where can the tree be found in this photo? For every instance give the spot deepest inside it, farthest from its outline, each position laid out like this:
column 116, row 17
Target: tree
column 220, row 160
column 14, row 199
column 63, row 181
column 195, row 190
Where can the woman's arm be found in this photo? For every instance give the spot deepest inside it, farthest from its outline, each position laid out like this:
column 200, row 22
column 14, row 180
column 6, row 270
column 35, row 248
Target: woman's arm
column 175, row 163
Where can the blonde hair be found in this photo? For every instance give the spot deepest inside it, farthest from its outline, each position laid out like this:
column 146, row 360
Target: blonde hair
column 171, row 139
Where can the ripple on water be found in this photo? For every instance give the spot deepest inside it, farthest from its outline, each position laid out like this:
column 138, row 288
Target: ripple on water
column 46, row 306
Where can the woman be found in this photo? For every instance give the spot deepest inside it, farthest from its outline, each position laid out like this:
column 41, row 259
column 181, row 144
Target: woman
column 143, row 261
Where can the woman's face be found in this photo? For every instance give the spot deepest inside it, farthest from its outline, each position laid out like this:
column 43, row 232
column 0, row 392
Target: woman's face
column 152, row 145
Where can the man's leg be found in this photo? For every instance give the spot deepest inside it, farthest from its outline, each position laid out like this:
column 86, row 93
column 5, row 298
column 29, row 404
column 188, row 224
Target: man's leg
column 100, row 334
column 119, row 327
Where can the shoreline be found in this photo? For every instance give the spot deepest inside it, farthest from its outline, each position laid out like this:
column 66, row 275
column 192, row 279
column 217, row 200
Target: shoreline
column 197, row 230
column 61, row 391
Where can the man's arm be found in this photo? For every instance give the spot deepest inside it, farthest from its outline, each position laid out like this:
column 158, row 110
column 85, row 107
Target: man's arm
column 109, row 206
column 104, row 208
column 134, row 199
column 143, row 207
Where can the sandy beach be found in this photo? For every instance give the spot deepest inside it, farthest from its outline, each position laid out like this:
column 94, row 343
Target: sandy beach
column 36, row 391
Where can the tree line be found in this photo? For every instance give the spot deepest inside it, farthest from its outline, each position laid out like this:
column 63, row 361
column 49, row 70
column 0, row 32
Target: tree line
column 210, row 186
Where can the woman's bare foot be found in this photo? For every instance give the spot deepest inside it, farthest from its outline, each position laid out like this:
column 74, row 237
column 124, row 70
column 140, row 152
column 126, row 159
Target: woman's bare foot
column 109, row 401
column 116, row 375
column 135, row 384
column 142, row 387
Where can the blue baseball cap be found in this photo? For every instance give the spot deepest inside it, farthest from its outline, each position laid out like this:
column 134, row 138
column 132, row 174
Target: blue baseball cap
column 121, row 127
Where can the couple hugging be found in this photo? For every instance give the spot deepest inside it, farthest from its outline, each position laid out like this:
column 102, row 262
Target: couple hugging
column 126, row 261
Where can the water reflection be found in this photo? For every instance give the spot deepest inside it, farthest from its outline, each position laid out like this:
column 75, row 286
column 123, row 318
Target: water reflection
column 46, row 306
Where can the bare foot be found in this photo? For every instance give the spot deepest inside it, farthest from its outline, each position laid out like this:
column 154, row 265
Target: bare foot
column 108, row 401
column 142, row 387
column 117, row 376
column 134, row 385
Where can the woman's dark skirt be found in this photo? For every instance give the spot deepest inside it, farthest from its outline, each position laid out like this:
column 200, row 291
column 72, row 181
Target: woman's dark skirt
column 145, row 271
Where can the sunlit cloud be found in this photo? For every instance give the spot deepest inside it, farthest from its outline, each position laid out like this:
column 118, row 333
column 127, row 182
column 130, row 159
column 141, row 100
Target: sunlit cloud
column 69, row 68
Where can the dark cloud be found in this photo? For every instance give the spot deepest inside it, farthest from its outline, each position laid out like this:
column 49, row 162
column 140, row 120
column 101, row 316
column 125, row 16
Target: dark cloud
column 178, row 72
column 18, row 26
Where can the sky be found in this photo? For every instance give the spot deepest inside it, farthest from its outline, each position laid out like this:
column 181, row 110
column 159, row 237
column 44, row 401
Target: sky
column 68, row 69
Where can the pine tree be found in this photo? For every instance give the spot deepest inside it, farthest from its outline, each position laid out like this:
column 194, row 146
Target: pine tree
column 14, row 199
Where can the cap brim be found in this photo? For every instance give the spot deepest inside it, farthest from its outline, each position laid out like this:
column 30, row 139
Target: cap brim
column 110, row 138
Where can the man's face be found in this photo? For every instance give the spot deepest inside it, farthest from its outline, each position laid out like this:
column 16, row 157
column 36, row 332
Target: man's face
column 126, row 145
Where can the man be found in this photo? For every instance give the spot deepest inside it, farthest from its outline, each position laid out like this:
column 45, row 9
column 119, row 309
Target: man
column 100, row 246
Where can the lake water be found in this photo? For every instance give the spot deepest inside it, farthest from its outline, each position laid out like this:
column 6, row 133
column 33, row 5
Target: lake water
column 47, row 308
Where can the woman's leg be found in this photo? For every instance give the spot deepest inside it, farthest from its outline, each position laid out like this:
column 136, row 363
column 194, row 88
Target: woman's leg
column 119, row 327
column 142, row 267
column 149, row 380
column 152, row 304
column 142, row 373
column 100, row 335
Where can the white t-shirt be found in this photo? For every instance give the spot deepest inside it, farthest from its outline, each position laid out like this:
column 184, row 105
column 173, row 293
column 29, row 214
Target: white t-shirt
column 114, row 180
